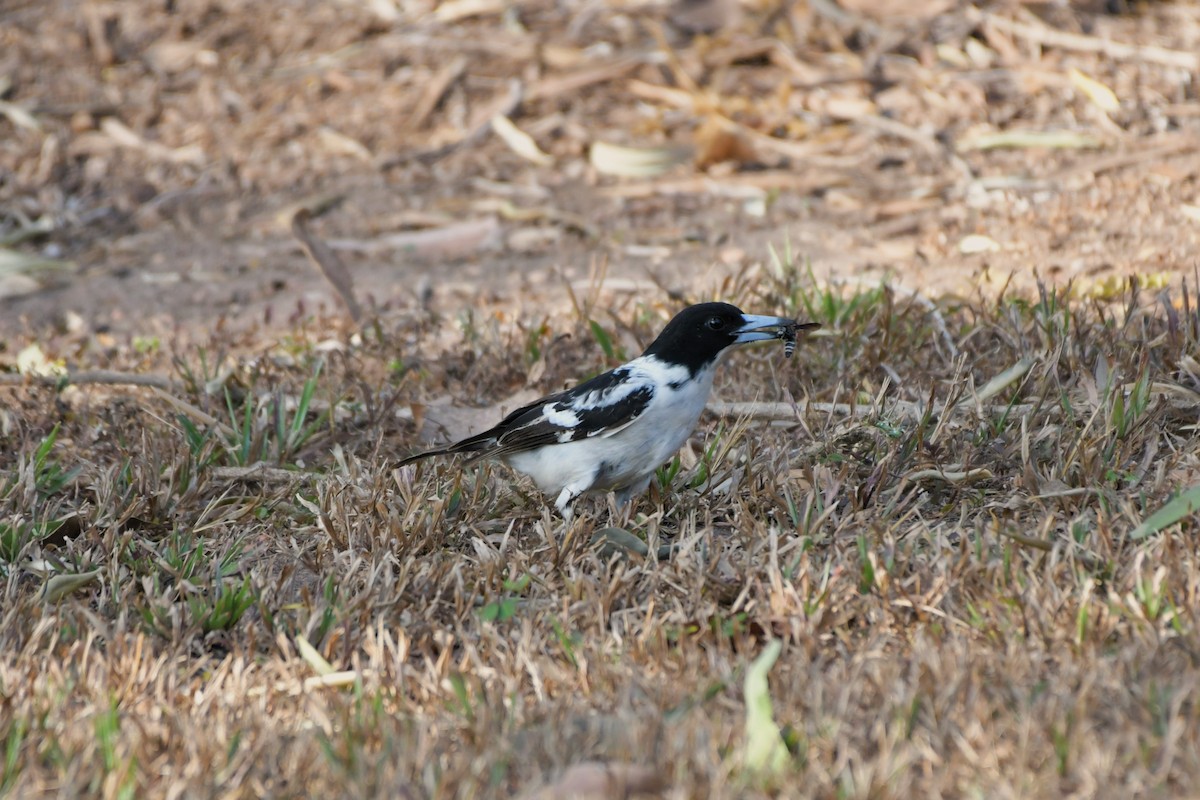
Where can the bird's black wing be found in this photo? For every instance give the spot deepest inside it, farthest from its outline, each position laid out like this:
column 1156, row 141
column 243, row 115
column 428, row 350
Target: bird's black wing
column 600, row 406
column 597, row 407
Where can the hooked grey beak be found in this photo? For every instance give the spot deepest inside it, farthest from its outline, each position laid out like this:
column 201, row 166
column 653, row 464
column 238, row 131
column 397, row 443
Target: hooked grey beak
column 759, row 328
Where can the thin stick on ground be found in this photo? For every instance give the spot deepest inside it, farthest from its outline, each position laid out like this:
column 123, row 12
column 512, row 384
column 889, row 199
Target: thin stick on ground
column 1088, row 44
column 100, row 377
column 328, row 262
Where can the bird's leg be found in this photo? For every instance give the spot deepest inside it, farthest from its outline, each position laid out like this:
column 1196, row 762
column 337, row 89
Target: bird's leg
column 624, row 499
column 565, row 498
column 624, row 514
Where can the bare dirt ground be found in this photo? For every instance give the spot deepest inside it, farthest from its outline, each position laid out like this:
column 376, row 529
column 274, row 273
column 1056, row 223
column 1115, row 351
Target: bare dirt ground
column 971, row 537
column 164, row 141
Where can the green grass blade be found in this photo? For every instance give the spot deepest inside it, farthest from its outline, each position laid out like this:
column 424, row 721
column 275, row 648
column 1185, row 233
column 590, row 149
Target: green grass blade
column 602, row 338
column 1178, row 508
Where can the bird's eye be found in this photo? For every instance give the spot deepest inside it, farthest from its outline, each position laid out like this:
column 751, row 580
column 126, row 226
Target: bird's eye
column 714, row 323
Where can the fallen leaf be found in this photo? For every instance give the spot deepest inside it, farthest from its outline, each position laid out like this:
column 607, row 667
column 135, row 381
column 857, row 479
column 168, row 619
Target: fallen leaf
column 32, row 361
column 765, row 749
column 59, row 533
column 950, row 476
column 978, row 243
column 331, row 680
column 19, row 117
column 1058, row 140
column 982, row 56
column 343, row 145
column 998, row 383
column 312, row 657
column 454, row 10
column 618, row 541
column 124, row 136
column 1101, row 96
column 173, row 57
column 17, row 286
column 533, row 239
column 952, row 55
column 520, row 142
column 60, row 586
column 717, row 141
column 635, row 162
column 14, row 262
column 386, row 10
column 841, row 107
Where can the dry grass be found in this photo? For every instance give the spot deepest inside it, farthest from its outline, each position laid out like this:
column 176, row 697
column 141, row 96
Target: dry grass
column 997, row 635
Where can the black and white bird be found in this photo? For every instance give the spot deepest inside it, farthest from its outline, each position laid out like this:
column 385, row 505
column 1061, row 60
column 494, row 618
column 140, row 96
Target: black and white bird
column 612, row 432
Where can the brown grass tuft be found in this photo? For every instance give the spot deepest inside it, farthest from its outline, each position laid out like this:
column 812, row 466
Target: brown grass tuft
column 960, row 606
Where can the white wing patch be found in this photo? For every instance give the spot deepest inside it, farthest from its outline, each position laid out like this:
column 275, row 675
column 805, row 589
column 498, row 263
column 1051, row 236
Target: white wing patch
column 560, row 417
column 609, row 395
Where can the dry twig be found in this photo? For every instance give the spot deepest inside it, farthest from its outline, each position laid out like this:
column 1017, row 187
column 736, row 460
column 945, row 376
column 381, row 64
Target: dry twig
column 1087, row 44
column 328, row 262
column 102, row 377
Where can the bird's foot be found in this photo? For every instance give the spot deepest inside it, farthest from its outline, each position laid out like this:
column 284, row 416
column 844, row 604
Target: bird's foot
column 620, row 515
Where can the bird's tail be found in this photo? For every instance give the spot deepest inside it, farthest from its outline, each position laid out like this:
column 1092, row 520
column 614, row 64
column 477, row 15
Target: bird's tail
column 475, row 445
column 427, row 454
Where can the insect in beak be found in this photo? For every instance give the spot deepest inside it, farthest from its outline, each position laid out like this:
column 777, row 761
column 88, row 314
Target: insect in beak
column 761, row 328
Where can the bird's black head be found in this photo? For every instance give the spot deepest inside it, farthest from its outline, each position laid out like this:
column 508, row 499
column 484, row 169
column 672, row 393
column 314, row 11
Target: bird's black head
column 698, row 334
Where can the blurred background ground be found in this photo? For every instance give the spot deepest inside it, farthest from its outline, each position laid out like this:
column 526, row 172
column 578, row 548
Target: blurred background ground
column 150, row 152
